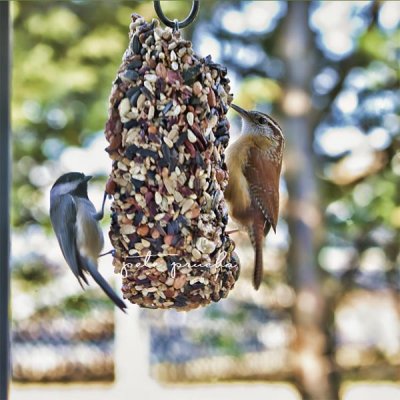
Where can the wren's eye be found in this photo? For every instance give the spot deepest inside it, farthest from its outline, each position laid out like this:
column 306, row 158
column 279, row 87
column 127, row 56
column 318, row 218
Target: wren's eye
column 262, row 120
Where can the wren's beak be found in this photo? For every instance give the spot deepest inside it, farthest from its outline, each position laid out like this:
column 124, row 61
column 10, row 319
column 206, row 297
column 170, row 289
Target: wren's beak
column 243, row 113
column 87, row 178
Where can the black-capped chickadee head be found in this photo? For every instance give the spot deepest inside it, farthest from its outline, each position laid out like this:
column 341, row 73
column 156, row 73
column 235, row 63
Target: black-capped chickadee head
column 74, row 183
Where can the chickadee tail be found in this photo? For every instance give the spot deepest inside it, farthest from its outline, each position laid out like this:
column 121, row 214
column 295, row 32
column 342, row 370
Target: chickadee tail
column 256, row 234
column 108, row 290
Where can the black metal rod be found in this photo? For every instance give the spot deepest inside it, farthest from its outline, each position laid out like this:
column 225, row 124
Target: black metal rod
column 5, row 161
column 177, row 24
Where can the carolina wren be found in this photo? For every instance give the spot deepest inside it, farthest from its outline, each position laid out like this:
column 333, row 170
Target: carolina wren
column 254, row 164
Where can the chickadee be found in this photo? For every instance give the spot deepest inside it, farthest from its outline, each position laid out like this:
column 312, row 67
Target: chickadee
column 75, row 223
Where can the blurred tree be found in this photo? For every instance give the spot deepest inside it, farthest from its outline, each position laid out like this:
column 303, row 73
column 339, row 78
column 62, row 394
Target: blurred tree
column 330, row 79
column 310, row 313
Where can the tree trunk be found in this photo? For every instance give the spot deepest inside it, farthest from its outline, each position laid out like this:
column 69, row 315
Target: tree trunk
column 312, row 317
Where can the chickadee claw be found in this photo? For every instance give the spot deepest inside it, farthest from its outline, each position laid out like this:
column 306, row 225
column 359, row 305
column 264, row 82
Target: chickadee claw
column 112, row 252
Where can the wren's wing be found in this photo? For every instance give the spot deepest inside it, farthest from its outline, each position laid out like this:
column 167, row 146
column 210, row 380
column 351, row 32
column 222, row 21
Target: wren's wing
column 63, row 219
column 262, row 175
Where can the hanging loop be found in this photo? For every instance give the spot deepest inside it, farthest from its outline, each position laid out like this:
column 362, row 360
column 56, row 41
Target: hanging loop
column 177, row 24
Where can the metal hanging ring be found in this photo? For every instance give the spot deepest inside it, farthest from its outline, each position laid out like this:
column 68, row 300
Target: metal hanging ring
column 177, row 24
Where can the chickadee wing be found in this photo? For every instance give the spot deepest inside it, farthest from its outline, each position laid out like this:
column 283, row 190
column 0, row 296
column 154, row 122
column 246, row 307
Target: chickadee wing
column 262, row 175
column 63, row 219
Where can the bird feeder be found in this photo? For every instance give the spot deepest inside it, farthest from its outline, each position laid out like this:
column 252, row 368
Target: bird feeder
column 167, row 132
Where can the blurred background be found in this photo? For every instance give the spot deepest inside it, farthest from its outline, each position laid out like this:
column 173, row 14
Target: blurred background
column 325, row 323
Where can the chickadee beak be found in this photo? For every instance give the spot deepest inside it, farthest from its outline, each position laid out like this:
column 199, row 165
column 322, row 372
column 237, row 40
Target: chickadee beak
column 243, row 113
column 87, row 178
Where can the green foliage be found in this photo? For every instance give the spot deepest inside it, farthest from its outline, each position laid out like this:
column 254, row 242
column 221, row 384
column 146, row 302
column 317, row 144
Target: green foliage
column 32, row 274
column 82, row 304
column 66, row 55
column 380, row 46
column 257, row 90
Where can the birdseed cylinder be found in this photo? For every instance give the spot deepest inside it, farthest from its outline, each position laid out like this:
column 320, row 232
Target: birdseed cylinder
column 167, row 133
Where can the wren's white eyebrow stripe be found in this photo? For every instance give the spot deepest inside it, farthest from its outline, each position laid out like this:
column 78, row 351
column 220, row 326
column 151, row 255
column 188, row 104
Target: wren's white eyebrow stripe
column 272, row 122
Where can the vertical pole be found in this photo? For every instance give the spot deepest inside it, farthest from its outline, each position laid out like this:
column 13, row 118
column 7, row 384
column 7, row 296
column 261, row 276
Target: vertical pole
column 315, row 373
column 5, row 161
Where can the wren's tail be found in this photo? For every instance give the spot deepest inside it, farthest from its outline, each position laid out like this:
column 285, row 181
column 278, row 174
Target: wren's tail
column 89, row 266
column 257, row 239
